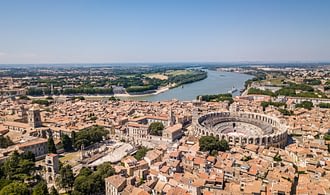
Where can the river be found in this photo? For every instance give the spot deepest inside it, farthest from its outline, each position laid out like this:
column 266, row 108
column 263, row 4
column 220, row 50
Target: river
column 215, row 83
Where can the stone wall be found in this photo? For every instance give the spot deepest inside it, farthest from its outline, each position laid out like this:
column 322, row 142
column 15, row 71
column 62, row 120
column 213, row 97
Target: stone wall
column 275, row 133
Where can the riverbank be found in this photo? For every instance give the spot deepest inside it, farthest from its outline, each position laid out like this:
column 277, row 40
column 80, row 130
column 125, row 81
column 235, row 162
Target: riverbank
column 158, row 91
column 125, row 95
column 215, row 83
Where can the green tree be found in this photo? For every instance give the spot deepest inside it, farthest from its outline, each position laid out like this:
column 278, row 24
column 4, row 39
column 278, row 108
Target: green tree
column 324, row 105
column 260, row 92
column 105, row 170
column 84, row 185
column 66, row 177
column 156, row 128
column 326, row 136
column 15, row 188
column 285, row 112
column 113, row 98
column 4, row 182
column 223, row 145
column 85, row 171
column 277, row 158
column 5, row 142
column 40, row 189
column 28, row 156
column 141, row 153
column 305, row 104
column 92, row 183
column 217, row 98
column 16, row 167
column 67, row 143
column 89, row 136
column 53, row 191
column 212, row 144
column 51, row 146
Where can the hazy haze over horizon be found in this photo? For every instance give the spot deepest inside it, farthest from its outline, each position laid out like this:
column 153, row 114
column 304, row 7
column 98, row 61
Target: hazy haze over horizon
column 145, row 31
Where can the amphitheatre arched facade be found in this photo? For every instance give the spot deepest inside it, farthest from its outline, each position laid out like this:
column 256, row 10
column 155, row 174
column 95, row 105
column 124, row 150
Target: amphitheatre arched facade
column 241, row 128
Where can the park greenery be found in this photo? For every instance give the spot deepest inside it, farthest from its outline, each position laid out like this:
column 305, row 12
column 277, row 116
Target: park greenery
column 324, row 105
column 212, row 144
column 89, row 182
column 69, row 91
column 189, row 77
column 5, row 141
column 134, row 81
column 140, row 153
column 66, row 178
column 327, row 136
column 136, row 89
column 305, row 104
column 291, row 89
column 89, row 136
column 260, row 92
column 270, row 103
column 51, row 146
column 18, row 176
column 113, row 98
column 156, row 128
column 217, row 98
column 67, row 143
column 312, row 81
column 285, row 112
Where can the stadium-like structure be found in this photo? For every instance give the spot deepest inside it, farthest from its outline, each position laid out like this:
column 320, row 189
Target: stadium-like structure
column 241, row 128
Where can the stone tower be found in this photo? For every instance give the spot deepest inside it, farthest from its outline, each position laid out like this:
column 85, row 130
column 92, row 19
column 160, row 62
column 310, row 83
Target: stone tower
column 171, row 117
column 34, row 118
column 22, row 113
column 52, row 167
column 195, row 114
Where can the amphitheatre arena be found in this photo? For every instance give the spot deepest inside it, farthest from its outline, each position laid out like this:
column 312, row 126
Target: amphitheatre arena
column 241, row 128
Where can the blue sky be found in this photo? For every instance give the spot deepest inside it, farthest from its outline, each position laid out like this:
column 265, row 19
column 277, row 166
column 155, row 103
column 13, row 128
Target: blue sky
column 68, row 31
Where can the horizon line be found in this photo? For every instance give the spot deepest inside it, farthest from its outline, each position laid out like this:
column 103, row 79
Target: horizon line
column 179, row 62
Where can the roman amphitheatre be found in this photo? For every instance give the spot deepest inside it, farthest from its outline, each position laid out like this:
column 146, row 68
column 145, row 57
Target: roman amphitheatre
column 242, row 128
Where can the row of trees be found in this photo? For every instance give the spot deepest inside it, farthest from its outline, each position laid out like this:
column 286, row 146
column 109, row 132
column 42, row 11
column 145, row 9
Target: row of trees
column 324, row 105
column 260, row 92
column 69, row 91
column 276, row 104
column 312, row 81
column 305, row 104
column 195, row 75
column 41, row 102
column 217, row 98
column 137, row 89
